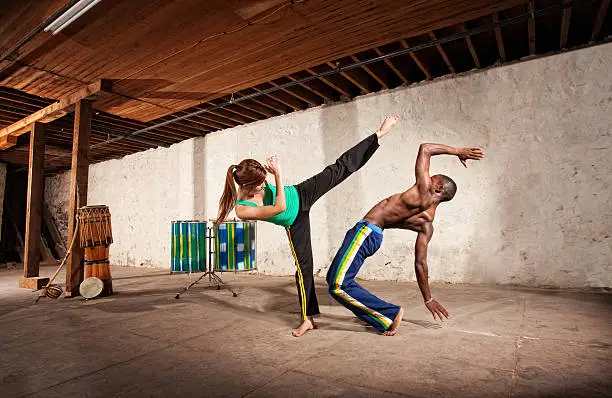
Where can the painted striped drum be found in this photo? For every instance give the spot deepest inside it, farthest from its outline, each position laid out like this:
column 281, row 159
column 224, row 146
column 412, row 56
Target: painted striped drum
column 235, row 243
column 188, row 246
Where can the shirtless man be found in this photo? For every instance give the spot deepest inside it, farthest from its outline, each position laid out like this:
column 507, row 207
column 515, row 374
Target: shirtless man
column 413, row 209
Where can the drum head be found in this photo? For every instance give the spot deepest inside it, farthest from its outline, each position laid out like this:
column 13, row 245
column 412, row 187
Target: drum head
column 91, row 287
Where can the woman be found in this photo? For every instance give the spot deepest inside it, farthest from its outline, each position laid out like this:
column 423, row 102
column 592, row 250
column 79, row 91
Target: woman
column 290, row 207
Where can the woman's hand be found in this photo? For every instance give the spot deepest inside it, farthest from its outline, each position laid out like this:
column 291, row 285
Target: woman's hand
column 272, row 165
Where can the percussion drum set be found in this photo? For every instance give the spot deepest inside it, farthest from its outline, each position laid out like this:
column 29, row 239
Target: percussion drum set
column 231, row 248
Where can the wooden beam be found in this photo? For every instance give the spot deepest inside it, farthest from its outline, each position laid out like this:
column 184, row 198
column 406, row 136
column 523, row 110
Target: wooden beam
column 330, row 83
column 309, row 88
column 348, row 77
column 34, row 200
column 7, row 141
column 371, row 73
column 240, row 111
column 499, row 38
column 601, row 16
column 222, row 113
column 260, row 109
column 266, row 105
column 531, row 28
column 565, row 23
column 57, row 109
column 296, row 95
column 277, row 99
column 432, row 35
column 468, row 40
column 392, row 67
column 416, row 59
column 79, row 174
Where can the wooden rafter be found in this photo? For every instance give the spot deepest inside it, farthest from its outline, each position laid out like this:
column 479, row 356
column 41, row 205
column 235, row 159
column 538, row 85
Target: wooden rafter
column 330, row 83
column 601, row 15
column 277, row 99
column 211, row 117
column 470, row 44
column 565, row 23
column 531, row 28
column 260, row 109
column 348, row 77
column 309, row 88
column 392, row 67
column 266, row 105
column 7, row 141
column 499, row 38
column 296, row 95
column 416, row 59
column 447, row 61
column 239, row 110
column 371, row 73
column 229, row 114
column 57, row 109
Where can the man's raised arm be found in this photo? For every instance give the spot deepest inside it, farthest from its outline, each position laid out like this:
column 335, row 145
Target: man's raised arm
column 426, row 151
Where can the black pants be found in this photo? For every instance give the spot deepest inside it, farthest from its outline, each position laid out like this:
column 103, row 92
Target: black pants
column 299, row 233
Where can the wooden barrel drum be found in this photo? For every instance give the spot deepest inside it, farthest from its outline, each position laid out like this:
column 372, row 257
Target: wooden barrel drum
column 95, row 234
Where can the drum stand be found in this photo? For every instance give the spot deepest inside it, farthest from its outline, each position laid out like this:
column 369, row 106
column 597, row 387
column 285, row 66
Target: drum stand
column 212, row 277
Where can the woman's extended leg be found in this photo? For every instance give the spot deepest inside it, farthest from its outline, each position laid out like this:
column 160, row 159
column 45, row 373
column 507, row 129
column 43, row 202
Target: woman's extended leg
column 350, row 161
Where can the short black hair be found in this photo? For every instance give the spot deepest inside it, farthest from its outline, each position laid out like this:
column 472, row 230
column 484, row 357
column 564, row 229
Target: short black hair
column 449, row 187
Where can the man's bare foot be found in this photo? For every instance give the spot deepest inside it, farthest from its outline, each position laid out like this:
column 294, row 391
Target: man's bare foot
column 307, row 325
column 396, row 324
column 387, row 125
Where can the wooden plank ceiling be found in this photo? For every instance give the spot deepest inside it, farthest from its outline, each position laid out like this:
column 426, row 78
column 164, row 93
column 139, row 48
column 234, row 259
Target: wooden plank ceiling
column 161, row 53
column 156, row 69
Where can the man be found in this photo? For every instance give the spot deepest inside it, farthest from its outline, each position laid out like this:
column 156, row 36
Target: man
column 413, row 209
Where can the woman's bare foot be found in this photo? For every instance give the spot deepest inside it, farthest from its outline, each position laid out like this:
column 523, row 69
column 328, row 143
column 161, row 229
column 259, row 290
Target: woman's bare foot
column 307, row 325
column 396, row 324
column 387, row 125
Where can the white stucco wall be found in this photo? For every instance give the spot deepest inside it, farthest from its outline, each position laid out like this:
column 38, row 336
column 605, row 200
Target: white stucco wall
column 535, row 212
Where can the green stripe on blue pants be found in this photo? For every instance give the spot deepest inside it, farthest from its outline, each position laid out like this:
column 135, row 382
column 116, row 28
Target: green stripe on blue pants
column 360, row 242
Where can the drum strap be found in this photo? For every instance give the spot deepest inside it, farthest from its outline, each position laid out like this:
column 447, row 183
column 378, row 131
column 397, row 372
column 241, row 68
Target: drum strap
column 94, row 244
column 94, row 262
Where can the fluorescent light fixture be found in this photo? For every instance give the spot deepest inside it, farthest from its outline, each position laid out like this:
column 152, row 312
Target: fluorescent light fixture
column 70, row 15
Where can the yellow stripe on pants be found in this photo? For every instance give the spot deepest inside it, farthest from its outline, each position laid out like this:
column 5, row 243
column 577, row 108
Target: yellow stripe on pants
column 300, row 278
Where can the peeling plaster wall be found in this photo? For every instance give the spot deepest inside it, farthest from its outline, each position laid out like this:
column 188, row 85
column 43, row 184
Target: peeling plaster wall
column 535, row 212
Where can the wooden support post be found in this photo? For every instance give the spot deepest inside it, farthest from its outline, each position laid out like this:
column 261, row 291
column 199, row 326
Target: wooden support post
column 78, row 174
column 31, row 260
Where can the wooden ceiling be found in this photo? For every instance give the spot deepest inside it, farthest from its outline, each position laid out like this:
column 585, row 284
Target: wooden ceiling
column 511, row 34
column 165, row 56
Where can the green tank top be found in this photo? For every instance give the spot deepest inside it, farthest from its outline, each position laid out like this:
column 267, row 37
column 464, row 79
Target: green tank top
column 286, row 218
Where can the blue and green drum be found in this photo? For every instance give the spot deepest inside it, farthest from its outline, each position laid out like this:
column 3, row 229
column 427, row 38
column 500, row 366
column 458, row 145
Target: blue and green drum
column 235, row 243
column 188, row 246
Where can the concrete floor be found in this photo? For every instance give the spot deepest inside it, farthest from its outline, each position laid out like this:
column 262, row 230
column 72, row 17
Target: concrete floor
column 143, row 342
